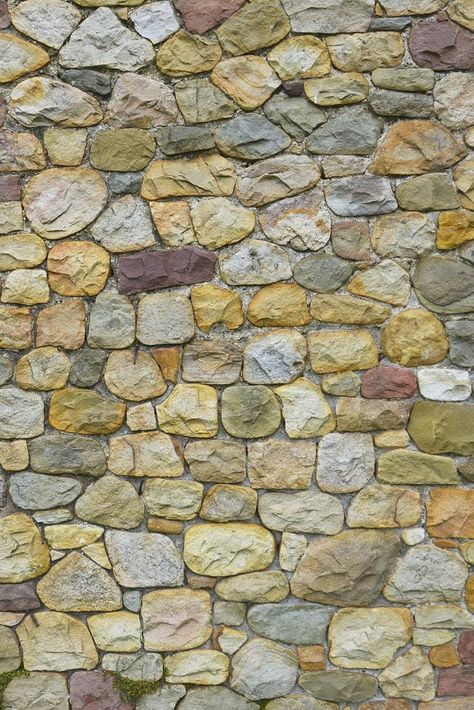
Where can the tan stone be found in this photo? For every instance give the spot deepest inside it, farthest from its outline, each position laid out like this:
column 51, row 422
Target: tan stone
column 224, row 503
column 462, row 12
column 141, row 417
column 366, row 51
column 330, row 308
column 279, row 305
column 450, row 513
column 133, row 375
column 23, row 554
column 337, row 90
column 203, row 667
column 259, row 587
column 399, row 8
column 11, row 217
column 410, row 675
column 65, row 146
column 340, row 350
column 219, row 222
column 190, row 410
column 392, row 439
column 21, row 251
column 147, row 454
column 379, row 506
column 116, row 631
column 110, row 501
column 205, row 175
column 463, row 175
column 414, row 337
column 19, row 57
column 98, row 554
column 217, row 461
column 218, row 549
column 311, row 658
column 174, row 500
column 53, row 641
column 387, row 282
column 43, row 369
column 213, row 304
column 249, row 80
column 302, row 57
column 292, row 549
column 228, row 640
column 14, row 455
column 20, row 152
column 279, row 465
column 15, row 328
column 444, row 656
column 78, row 268
column 26, row 287
column 184, row 54
column 85, row 412
column 305, row 409
column 71, row 535
column 176, row 619
column 359, row 414
column 173, row 222
column 250, row 412
column 62, row 324
column 454, row 228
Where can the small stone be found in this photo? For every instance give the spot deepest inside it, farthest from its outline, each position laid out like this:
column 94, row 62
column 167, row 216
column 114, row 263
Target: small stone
column 173, row 222
column 213, row 305
column 464, row 180
column 164, row 318
column 331, row 17
column 442, row 428
column 450, row 513
column 275, row 357
column 409, row 7
column 388, row 383
column 303, row 57
column 31, row 555
column 24, row 691
column 144, row 559
column 217, row 461
column 305, row 410
column 148, row 454
column 254, row 262
column 352, row 131
column 85, row 412
column 111, row 501
column 227, row 549
column 7, row 368
column 65, row 146
column 409, row 675
column 365, row 52
column 340, row 350
column 443, row 656
column 368, row 556
column 141, row 102
column 11, row 217
column 74, row 198
column 343, row 384
column 378, row 506
column 176, row 620
column 111, row 321
column 26, row 287
column 441, row 45
column 213, row 362
column 124, row 50
column 19, row 57
column 200, row 101
column 230, row 613
column 184, row 54
column 269, row 461
column 362, row 196
column 403, row 234
column 203, row 667
column 350, row 240
column 453, row 96
column 21, row 413
column 14, row 455
column 346, row 462
column 264, row 669
column 461, row 12
column 223, row 503
column 461, row 342
column 340, row 686
column 248, row 80
column 10, row 185
column 87, row 80
column 338, row 90
column 414, row 337
column 62, row 324
column 261, row 587
column 250, row 411
column 344, row 165
column 357, row 414
column 454, row 229
column 387, row 282
column 207, row 175
column 116, row 631
column 190, row 410
column 43, row 101
column 311, row 658
column 307, row 512
column 292, row 548
column 89, row 689
column 435, row 191
column 322, row 272
column 276, row 178
column 141, row 417
column 155, row 21
column 125, row 225
column 20, row 152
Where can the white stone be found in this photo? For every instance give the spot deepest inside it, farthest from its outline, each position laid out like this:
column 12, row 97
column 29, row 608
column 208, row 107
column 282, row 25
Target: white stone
column 274, row 357
column 124, row 226
column 346, row 462
column 443, row 384
column 413, row 536
column 155, row 21
column 47, row 21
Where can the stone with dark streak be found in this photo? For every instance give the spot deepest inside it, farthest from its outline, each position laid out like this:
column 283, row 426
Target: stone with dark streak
column 163, row 269
column 388, row 383
column 442, row 45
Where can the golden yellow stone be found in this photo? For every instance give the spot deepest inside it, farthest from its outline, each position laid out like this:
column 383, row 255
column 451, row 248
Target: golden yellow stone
column 414, row 337
column 184, row 54
column 65, row 146
column 78, row 268
column 190, row 410
column 213, row 304
column 71, row 535
column 83, row 411
column 249, row 80
column 205, row 175
column 340, row 350
column 454, row 228
column 168, row 360
column 279, row 305
column 333, row 308
column 147, row 454
column 392, row 439
column 23, row 554
column 133, row 375
column 444, row 656
column 14, row 455
column 43, row 369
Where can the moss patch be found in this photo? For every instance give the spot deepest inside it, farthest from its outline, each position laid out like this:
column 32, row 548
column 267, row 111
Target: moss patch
column 134, row 689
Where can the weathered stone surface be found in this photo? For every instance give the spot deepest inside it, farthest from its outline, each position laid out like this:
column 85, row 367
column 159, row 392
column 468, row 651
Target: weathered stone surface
column 203, row 667
column 402, row 104
column 101, row 40
column 306, row 512
column 84, row 412
column 450, row 513
column 250, row 137
column 144, row 559
column 297, row 116
column 455, row 681
column 295, row 624
column 43, row 689
column 352, row 131
column 163, row 699
column 147, row 454
column 404, row 79
column 414, row 337
column 184, row 54
column 357, row 414
column 264, row 669
column 190, row 410
column 435, row 191
column 254, row 262
column 19, row 57
column 25, row 286
column 50, row 23
column 87, row 80
column 213, row 305
column 173, row 500
column 410, row 675
column 339, row 685
column 90, row 689
column 276, row 178
column 133, row 375
column 176, row 620
column 206, row 175
column 10, row 184
column 338, row 90
column 250, row 411
column 304, row 57
column 224, row 503
column 141, row 102
column 344, row 384
column 415, row 468
column 42, row 369
column 155, row 21
column 347, row 569
column 305, row 410
column 18, row 596
column 275, row 357
column 62, row 201
column 20, row 152
column 322, row 272
column 21, row 413
column 164, row 319
column 262, row 587
column 461, row 342
column 441, row 45
column 347, row 309
column 444, row 385
column 395, row 8
column 442, row 428
column 10, row 660
column 365, row 52
column 62, row 324
column 173, row 222
column 330, row 17
column 269, row 464
column 345, row 462
column 387, row 282
column 279, row 305
column 206, row 16
column 65, row 453
column 65, row 146
column 255, row 26
column 111, row 321
column 248, row 80
column 388, row 382
column 340, row 350
column 218, row 222
column 224, row 698
column 360, row 196
column 174, row 140
column 200, row 101
column 24, row 556
column 403, row 234
column 378, row 506
column 214, row 362
column 116, row 631
column 34, row 491
column 216, row 461
column 453, row 95
column 121, row 149
column 301, row 222
column 112, row 502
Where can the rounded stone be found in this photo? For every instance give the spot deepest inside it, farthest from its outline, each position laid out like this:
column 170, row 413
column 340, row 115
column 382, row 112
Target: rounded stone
column 279, row 305
column 303, row 57
column 85, row 412
column 134, row 375
column 250, row 412
column 19, row 533
column 50, row 22
column 78, row 268
column 264, row 669
column 414, row 337
column 322, row 273
column 249, row 80
column 43, row 369
column 111, row 501
column 34, row 491
column 176, row 619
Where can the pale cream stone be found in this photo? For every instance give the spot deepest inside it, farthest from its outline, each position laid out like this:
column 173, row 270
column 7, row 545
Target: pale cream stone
column 173, row 500
column 14, row 455
column 219, row 222
column 134, row 375
column 65, row 146
column 70, row 536
column 302, row 57
column 21, row 251
column 26, row 287
column 249, row 80
column 204, row 667
column 116, row 631
column 147, row 454
column 340, row 350
column 176, row 619
column 23, row 554
column 292, row 549
column 173, row 222
column 305, row 409
column 11, row 217
column 410, row 675
column 141, row 417
column 97, row 553
column 190, row 410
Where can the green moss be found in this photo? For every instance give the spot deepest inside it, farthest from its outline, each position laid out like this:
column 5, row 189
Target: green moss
column 134, row 689
column 6, row 678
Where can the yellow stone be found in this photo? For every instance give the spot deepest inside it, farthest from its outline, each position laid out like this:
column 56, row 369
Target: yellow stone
column 279, row 305
column 364, row 52
column 333, row 308
column 116, row 631
column 226, row 549
column 23, row 554
column 43, row 369
column 454, row 228
column 78, row 268
column 71, row 535
column 15, row 328
column 392, row 439
column 26, row 287
column 173, row 222
column 134, row 375
column 205, row 175
column 83, row 411
column 201, row 667
column 249, row 80
column 98, row 554
column 213, row 304
column 340, row 350
column 338, row 89
column 305, row 410
column 141, row 417
column 14, row 455
column 219, row 222
column 190, row 410
column 463, row 175
column 19, row 57
column 462, row 12
column 21, row 251
column 303, row 57
column 147, row 454
column 65, row 146
column 184, row 54
column 380, row 506
column 414, row 337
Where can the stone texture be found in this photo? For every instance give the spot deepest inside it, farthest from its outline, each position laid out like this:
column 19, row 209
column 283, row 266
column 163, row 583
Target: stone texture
column 30, row 557
column 173, row 500
column 144, row 559
column 21, row 413
column 62, row 324
column 212, row 362
column 20, row 152
column 224, row 503
column 428, row 192
column 122, row 149
column 339, row 686
column 156, row 22
column 388, row 382
column 190, row 410
column 250, row 411
column 338, row 90
column 441, row 45
column 444, row 385
column 112, row 502
column 133, row 375
column 450, row 513
column 84, row 412
column 164, row 319
column 213, row 305
column 51, row 23
column 176, row 620
column 453, row 100
column 248, row 80
column 276, row 357
column 200, row 101
column 250, row 137
column 365, row 52
column 66, row 454
column 145, row 454
column 402, row 104
column 140, row 102
column 378, row 506
column 203, row 667
column 441, row 428
column 275, row 179
column 357, row 414
column 42, row 369
column 414, row 337
column 352, row 131
column 203, row 18
column 304, row 57
column 403, row 234
column 216, row 461
column 268, row 464
column 345, row 462
column 253, row 27
column 329, row 18
column 410, row 675
column 185, row 53
column 19, row 57
column 263, row 669
column 305, row 410
column 44, row 689
column 208, row 175
column 255, row 262
column 360, row 196
column 91, row 689
column 415, row 468
column 340, row 350
column 347, row 309
column 306, row 512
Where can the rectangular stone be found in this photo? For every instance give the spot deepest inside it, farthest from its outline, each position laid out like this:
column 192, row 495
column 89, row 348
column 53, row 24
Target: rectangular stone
column 163, row 269
column 354, row 414
column 10, row 186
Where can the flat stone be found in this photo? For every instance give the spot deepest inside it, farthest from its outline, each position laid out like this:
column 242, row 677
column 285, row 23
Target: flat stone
column 360, row 196
column 185, row 53
column 200, row 101
column 402, row 104
column 338, row 90
column 395, row 8
column 264, row 669
column 250, row 411
column 350, row 240
column 62, row 324
column 25, row 286
column 135, row 666
column 88, row 80
column 122, row 149
column 116, row 631
column 250, row 137
column 340, row 350
column 133, row 375
column 276, row 178
column 176, row 620
column 173, row 500
column 461, row 342
column 329, row 18
column 388, row 383
column 62, row 201
column 453, row 96
column 141, row 102
column 229, row 548
column 90, row 689
column 441, row 428
column 340, row 686
column 322, row 272
column 365, row 52
column 11, row 217
column 202, row 667
column 306, row 512
column 190, row 410
column 404, row 79
column 387, row 282
column 42, row 689
column 306, row 411
column 273, row 358
column 295, row 624
column 30, row 556
column 410, row 675
column 66, row 454
column 163, row 699
column 21, row 413
column 347, row 569
column 378, row 506
column 212, row 362
column 299, row 702
column 444, row 385
column 357, row 414
column 403, row 234
column 111, row 321
column 450, row 513
column 262, row 587
column 173, row 222
column 112, row 502
column 216, row 461
column 254, row 26
column 155, row 21
column 144, row 559
column 224, row 698
column 10, row 185
column 19, row 57
column 65, row 146
column 415, row 468
column 174, row 140
column 441, row 45
column 254, row 262
column 42, row 369
column 224, row 503
column 164, row 319
column 352, row 131
column 343, row 165
column 123, row 49
column 218, row 222
column 279, row 305
column 84, row 412
column 269, row 461
column 414, row 337
column 208, row 15
column 455, row 681
column 18, row 597
column 297, row 116
column 145, row 454
column 427, row 192
column 33, row 491
column 20, row 152
column 206, row 175
column 50, row 23
column 248, row 80
column 213, row 305
column 346, row 462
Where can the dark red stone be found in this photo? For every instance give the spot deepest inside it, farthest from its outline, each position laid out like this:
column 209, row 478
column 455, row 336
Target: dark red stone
column 4, row 15
column 93, row 690
column 457, row 681
column 199, row 16
column 10, row 188
column 466, row 647
column 442, row 45
column 162, row 269
column 18, row 597
column 293, row 88
column 388, row 383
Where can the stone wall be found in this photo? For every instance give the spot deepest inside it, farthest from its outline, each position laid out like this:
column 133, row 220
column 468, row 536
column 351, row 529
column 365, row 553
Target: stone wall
column 236, row 418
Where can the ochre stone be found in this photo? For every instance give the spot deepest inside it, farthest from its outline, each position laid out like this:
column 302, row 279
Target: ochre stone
column 249, row 80
column 19, row 57
column 78, row 268
column 85, row 412
column 207, row 175
column 414, row 337
column 184, row 54
column 213, row 304
column 279, row 305
column 340, row 350
column 62, row 324
column 450, row 513
column 23, row 554
column 454, row 229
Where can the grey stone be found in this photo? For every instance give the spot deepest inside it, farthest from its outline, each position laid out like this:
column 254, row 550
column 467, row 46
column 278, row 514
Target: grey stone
column 461, row 342
column 144, row 559
column 346, row 462
column 254, row 262
column 132, row 599
column 302, row 624
column 166, row 698
column 88, row 80
column 42, row 691
column 435, row 191
column 467, row 251
column 390, row 24
column 111, row 321
column 351, row 240
column 49, row 22
column 120, row 183
column 445, row 284
column 165, row 318
column 200, row 101
column 303, row 512
column 250, row 137
column 34, row 491
column 404, row 79
column 276, row 178
column 134, row 666
column 7, row 367
column 124, row 226
column 360, row 196
column 404, row 234
column 228, row 613
column 275, row 357
column 213, row 362
column 174, row 140
column 263, row 669
column 87, row 365
column 339, row 686
column 403, row 104
column 297, row 116
column 329, row 16
column 67, row 453
column 101, row 40
column 155, row 21
column 352, row 131
column 21, row 413
column 322, row 273
column 219, row 697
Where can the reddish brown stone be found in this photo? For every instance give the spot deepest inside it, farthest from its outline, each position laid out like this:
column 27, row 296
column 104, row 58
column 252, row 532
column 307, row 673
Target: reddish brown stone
column 293, row 88
column 456, row 681
column 199, row 17
column 18, row 597
column 93, row 690
column 4, row 15
column 466, row 646
column 10, row 185
column 162, row 269
column 388, row 383
column 442, row 45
